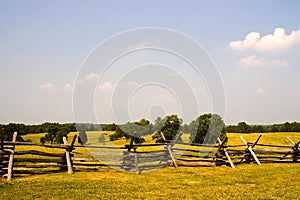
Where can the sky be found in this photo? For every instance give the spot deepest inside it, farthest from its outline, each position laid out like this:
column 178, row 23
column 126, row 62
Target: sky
column 46, row 48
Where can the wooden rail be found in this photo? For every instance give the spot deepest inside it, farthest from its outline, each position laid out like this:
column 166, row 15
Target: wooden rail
column 136, row 158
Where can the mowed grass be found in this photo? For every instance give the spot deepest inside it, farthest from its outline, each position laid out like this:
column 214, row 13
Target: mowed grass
column 269, row 181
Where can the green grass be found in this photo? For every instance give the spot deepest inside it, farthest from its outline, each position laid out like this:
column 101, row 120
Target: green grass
column 247, row 181
column 234, row 138
column 270, row 181
column 267, row 138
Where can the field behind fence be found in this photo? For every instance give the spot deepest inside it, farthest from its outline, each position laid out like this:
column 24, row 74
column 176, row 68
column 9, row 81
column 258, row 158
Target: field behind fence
column 23, row 158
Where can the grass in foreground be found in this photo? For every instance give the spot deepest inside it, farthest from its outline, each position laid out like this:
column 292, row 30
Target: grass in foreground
column 269, row 181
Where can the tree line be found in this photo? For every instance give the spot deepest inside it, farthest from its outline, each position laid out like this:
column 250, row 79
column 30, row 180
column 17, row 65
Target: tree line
column 243, row 127
column 169, row 125
column 210, row 125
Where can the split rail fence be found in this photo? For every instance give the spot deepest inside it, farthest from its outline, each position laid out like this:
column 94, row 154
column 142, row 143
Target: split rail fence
column 23, row 158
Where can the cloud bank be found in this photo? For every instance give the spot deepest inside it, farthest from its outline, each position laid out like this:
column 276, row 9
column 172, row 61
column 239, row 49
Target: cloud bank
column 277, row 41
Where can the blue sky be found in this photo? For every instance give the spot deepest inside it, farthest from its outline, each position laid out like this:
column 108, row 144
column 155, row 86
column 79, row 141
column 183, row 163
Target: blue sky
column 44, row 43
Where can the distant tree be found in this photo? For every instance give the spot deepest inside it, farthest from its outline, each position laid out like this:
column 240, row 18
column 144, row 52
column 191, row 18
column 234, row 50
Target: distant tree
column 119, row 133
column 243, row 127
column 109, row 127
column 11, row 128
column 43, row 140
column 55, row 134
column 231, row 129
column 170, row 126
column 207, row 127
column 286, row 127
column 257, row 129
column 21, row 129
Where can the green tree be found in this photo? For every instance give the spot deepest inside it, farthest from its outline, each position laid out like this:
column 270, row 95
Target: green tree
column 257, row 129
column 11, row 128
column 55, row 133
column 135, row 130
column 207, row 128
column 170, row 126
column 243, row 127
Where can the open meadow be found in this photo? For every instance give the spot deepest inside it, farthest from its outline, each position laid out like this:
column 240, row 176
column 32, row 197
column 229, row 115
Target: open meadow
column 247, row 181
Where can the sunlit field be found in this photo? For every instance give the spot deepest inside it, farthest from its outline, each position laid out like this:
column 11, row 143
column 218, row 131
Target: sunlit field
column 270, row 181
column 247, row 181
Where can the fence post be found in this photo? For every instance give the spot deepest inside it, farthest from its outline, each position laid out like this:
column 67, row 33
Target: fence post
column 68, row 158
column 11, row 158
column 249, row 148
column 171, row 145
column 136, row 164
column 2, row 139
column 295, row 148
column 226, row 153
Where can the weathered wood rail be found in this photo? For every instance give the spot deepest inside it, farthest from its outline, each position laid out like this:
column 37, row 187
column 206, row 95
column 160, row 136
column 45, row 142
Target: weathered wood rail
column 18, row 158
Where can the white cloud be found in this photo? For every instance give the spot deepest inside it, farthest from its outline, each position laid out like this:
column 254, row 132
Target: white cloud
column 106, row 86
column 47, row 86
column 279, row 40
column 253, row 61
column 91, row 76
column 260, row 91
column 124, row 85
column 68, row 86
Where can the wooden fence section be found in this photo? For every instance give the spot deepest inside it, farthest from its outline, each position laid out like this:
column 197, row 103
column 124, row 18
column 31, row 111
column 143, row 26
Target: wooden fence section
column 96, row 158
column 42, row 159
column 22, row 158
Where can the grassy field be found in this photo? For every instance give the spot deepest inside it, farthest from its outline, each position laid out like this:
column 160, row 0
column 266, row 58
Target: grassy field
column 270, row 181
column 247, row 181
column 234, row 138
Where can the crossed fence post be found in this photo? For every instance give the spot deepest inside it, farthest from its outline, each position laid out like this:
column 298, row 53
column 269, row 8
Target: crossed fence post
column 170, row 145
column 250, row 148
column 68, row 154
column 222, row 148
column 295, row 148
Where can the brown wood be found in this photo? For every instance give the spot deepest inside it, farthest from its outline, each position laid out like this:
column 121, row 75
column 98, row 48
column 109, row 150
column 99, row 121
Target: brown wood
column 273, row 145
column 2, row 139
column 136, row 163
column 38, row 160
column 249, row 148
column 253, row 145
column 35, row 171
column 192, row 150
column 226, row 153
column 58, row 146
column 37, row 166
column 196, row 144
column 85, row 159
column 68, row 158
column 72, row 143
column 170, row 151
column 197, row 160
column 99, row 147
column 40, row 153
column 11, row 159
